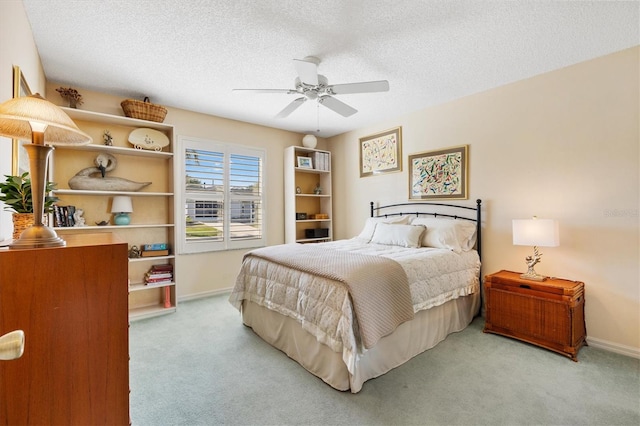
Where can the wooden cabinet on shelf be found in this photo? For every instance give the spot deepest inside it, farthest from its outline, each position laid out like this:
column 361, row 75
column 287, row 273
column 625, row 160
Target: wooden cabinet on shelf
column 71, row 303
column 152, row 219
column 307, row 186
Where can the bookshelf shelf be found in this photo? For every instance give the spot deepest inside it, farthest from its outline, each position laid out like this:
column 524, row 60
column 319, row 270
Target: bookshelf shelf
column 300, row 185
column 153, row 206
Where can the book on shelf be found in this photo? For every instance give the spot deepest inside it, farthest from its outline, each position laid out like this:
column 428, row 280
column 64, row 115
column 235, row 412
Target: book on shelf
column 155, row 246
column 158, row 283
column 152, row 253
column 321, row 160
column 156, row 275
column 63, row 216
column 162, row 267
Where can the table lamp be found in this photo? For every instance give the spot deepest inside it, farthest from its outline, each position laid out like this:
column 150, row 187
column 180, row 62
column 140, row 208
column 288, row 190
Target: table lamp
column 535, row 232
column 33, row 117
column 121, row 207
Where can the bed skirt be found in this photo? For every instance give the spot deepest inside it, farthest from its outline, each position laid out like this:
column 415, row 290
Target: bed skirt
column 426, row 330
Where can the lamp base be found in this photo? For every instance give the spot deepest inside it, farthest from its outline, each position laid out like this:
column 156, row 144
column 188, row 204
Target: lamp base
column 121, row 219
column 38, row 236
column 533, row 276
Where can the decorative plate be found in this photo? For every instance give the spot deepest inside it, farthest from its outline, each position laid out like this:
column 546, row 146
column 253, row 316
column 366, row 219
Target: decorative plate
column 150, row 139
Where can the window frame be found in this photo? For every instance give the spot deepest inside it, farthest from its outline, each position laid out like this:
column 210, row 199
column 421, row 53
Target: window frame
column 227, row 149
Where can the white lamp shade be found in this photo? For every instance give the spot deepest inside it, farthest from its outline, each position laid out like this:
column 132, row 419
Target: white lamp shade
column 536, row 232
column 121, row 204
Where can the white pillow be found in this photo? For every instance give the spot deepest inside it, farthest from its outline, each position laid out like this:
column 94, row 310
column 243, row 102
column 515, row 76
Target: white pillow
column 370, row 225
column 451, row 234
column 393, row 234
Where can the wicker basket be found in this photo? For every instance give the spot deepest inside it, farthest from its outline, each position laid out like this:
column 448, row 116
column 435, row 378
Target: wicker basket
column 21, row 221
column 143, row 110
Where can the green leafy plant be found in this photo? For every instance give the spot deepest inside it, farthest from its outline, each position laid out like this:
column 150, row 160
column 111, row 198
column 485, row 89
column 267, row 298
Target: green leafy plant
column 15, row 192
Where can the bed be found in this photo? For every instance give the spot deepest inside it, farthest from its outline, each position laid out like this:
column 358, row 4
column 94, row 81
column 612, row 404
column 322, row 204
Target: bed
column 351, row 310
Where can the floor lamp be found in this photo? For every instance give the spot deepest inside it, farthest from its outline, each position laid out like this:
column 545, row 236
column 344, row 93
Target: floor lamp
column 33, row 117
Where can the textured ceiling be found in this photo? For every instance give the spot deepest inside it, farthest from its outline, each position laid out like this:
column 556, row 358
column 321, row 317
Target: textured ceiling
column 190, row 54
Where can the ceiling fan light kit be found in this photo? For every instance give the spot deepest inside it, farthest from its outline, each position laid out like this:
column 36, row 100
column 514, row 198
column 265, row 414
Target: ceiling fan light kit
column 315, row 87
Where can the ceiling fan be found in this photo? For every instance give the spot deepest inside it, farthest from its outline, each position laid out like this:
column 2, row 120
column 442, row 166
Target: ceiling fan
column 313, row 86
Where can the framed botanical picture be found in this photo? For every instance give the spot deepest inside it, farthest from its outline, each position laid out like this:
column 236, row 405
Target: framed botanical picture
column 381, row 153
column 305, row 162
column 19, row 157
column 440, row 174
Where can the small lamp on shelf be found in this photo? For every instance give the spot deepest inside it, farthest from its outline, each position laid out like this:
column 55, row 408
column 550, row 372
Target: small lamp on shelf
column 535, row 232
column 33, row 117
column 121, row 208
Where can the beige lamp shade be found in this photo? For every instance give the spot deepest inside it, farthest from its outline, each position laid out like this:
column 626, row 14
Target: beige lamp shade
column 18, row 114
column 33, row 117
column 536, row 232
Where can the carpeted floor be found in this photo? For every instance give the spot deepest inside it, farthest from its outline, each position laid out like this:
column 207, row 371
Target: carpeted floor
column 201, row 366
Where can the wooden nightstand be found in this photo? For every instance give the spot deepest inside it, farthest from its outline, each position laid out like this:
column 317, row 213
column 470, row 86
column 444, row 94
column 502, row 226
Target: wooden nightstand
column 547, row 313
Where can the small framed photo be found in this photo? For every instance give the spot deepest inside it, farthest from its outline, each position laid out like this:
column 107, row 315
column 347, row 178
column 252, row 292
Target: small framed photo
column 305, row 163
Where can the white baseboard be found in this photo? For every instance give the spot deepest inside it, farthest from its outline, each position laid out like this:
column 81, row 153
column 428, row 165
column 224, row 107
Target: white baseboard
column 204, row 294
column 614, row 347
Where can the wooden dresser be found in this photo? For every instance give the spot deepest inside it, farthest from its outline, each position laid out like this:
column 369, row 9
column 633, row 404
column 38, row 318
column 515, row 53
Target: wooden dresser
column 547, row 313
column 71, row 303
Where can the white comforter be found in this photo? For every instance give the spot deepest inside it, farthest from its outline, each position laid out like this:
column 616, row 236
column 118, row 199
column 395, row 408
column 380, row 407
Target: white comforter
column 323, row 307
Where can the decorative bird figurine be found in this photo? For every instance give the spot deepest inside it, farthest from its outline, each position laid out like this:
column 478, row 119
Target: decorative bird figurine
column 86, row 178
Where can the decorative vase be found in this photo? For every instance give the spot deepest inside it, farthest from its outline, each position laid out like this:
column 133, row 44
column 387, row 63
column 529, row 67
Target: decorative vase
column 121, row 219
column 309, row 141
column 73, row 103
column 21, row 221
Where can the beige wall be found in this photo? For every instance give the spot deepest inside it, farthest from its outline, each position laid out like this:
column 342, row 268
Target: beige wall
column 561, row 145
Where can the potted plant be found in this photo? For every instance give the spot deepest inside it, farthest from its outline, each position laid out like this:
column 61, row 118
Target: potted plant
column 15, row 192
column 71, row 95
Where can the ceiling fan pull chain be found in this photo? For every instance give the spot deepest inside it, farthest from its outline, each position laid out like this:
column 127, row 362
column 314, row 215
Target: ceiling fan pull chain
column 318, row 115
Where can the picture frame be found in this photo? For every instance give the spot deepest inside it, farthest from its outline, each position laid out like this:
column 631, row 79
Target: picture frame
column 305, row 162
column 19, row 157
column 439, row 174
column 381, row 152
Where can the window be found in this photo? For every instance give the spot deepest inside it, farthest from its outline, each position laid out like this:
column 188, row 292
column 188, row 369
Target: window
column 222, row 196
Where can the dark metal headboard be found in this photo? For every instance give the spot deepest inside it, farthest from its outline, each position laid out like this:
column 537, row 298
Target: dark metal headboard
column 377, row 212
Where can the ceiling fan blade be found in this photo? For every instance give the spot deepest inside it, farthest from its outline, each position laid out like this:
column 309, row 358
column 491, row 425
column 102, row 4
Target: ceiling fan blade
column 337, row 106
column 307, row 71
column 291, row 107
column 287, row 91
column 364, row 87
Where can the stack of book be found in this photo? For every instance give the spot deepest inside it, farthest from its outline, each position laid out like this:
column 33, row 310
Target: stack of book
column 157, row 249
column 63, row 215
column 159, row 275
column 321, row 160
